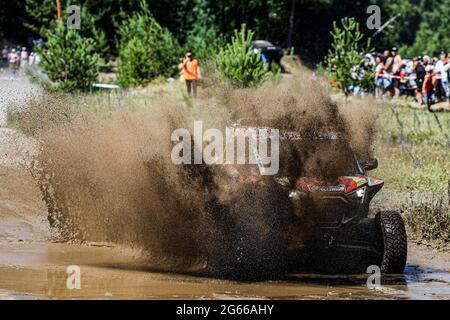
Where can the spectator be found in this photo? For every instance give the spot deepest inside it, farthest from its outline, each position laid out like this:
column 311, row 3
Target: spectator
column 388, row 64
column 13, row 59
column 31, row 59
column 396, row 68
column 410, row 78
column 190, row 73
column 23, row 57
column 428, row 87
column 442, row 67
column 419, row 69
column 37, row 59
column 5, row 57
column 379, row 80
column 386, row 55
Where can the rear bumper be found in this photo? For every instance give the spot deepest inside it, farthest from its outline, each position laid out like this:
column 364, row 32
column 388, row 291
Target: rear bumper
column 352, row 249
column 362, row 234
column 331, row 210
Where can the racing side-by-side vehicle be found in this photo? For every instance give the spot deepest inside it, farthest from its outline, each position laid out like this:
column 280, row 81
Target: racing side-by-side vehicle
column 283, row 221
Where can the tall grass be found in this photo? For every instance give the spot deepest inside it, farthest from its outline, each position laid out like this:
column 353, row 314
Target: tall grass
column 414, row 154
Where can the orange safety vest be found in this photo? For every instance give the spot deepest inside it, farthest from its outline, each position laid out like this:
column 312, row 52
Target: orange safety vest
column 190, row 70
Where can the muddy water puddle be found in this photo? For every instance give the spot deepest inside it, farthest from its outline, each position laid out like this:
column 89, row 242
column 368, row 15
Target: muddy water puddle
column 39, row 271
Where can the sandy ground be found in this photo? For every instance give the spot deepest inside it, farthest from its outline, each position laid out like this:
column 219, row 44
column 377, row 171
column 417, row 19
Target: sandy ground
column 32, row 267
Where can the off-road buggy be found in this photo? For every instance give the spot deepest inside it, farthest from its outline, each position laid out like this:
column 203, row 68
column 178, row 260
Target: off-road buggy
column 281, row 223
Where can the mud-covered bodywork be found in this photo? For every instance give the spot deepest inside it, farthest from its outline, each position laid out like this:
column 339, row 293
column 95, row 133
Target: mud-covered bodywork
column 323, row 214
column 333, row 209
column 336, row 203
column 325, row 206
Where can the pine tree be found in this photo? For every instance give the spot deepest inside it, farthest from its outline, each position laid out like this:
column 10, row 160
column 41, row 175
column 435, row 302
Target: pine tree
column 42, row 18
column 146, row 50
column 239, row 63
column 202, row 36
column 345, row 54
column 68, row 59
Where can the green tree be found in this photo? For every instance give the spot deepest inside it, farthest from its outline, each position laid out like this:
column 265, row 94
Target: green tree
column 202, row 37
column 422, row 26
column 68, row 59
column 146, row 50
column 433, row 33
column 42, row 18
column 401, row 32
column 239, row 63
column 41, row 15
column 346, row 54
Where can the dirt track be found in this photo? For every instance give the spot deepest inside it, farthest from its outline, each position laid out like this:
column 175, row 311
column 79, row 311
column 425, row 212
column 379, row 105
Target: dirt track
column 14, row 90
column 31, row 267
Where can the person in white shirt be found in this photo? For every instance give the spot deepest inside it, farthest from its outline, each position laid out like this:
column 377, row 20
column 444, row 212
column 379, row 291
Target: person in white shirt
column 23, row 57
column 37, row 59
column 31, row 59
column 442, row 67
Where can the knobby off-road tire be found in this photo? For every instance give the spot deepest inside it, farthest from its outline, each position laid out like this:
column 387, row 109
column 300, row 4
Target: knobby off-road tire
column 394, row 242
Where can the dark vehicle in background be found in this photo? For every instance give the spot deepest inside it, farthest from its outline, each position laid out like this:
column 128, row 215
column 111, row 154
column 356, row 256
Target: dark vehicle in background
column 271, row 52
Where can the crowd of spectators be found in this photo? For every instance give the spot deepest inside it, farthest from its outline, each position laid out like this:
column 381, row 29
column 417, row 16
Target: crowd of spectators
column 16, row 58
column 425, row 77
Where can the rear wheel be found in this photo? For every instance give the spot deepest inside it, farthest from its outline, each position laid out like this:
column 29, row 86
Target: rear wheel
column 393, row 241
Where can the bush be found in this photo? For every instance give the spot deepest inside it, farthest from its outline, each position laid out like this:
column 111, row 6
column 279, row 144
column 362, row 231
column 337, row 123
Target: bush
column 146, row 50
column 239, row 63
column 68, row 59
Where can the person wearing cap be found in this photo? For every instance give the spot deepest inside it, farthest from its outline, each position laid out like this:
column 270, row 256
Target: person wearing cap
column 442, row 67
column 13, row 59
column 428, row 87
column 190, row 73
